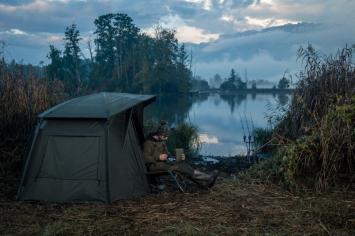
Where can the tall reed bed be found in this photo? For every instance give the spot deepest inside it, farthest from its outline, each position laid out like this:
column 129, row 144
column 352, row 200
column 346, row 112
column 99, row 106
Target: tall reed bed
column 319, row 126
column 321, row 120
column 22, row 96
column 324, row 82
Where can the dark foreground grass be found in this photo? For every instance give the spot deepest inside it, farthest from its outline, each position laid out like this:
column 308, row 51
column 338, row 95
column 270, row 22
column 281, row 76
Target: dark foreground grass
column 230, row 208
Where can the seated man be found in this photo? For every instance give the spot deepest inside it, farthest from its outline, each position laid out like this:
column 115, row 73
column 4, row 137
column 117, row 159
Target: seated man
column 156, row 155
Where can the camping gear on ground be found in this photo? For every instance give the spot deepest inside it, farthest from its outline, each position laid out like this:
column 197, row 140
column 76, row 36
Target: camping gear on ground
column 88, row 149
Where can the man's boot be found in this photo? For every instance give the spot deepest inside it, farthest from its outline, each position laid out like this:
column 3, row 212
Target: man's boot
column 206, row 180
column 215, row 174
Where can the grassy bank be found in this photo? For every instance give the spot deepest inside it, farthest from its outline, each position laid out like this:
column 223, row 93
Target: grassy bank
column 230, row 208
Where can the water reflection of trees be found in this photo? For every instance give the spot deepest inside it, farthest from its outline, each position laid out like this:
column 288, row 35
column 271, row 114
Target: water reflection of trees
column 253, row 96
column 216, row 99
column 173, row 108
column 234, row 100
column 283, row 98
column 199, row 98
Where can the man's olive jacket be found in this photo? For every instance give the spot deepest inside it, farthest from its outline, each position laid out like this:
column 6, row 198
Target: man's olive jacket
column 152, row 150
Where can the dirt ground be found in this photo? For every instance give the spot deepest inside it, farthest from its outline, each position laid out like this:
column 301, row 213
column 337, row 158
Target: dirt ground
column 230, row 208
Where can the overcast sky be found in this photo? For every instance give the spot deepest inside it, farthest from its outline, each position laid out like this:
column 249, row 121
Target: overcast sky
column 259, row 37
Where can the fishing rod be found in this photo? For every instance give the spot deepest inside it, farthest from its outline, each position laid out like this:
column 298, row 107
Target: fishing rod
column 248, row 142
column 244, row 136
column 255, row 148
column 249, row 133
column 253, row 128
column 247, row 123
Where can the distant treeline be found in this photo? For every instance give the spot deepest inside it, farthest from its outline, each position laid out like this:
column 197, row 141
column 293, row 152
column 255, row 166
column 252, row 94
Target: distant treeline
column 122, row 58
column 234, row 82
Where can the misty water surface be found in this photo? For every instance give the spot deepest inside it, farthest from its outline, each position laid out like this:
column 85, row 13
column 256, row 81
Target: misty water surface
column 218, row 117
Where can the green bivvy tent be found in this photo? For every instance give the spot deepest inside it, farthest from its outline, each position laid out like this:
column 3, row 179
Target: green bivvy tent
column 88, row 149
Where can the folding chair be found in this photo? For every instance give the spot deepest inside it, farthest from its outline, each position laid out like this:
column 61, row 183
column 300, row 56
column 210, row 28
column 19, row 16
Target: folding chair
column 177, row 178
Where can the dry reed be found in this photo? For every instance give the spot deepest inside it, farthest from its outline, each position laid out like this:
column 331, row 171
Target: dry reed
column 20, row 101
column 320, row 123
column 22, row 96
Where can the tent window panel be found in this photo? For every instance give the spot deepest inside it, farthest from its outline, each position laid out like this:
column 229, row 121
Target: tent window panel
column 71, row 158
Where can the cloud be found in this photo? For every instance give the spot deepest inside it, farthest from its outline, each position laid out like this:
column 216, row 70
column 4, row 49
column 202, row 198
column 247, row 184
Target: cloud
column 268, row 22
column 250, row 23
column 280, row 42
column 240, row 33
column 15, row 2
column 184, row 32
column 267, row 53
column 20, row 38
column 207, row 138
column 205, row 4
column 16, row 32
column 54, row 16
column 194, row 35
column 44, row 22
column 28, row 47
column 259, row 66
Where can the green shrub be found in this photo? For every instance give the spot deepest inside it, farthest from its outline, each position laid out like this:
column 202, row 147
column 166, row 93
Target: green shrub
column 327, row 156
column 184, row 135
column 320, row 160
column 267, row 171
column 262, row 137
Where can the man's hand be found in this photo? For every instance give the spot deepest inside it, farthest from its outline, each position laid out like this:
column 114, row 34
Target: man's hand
column 163, row 157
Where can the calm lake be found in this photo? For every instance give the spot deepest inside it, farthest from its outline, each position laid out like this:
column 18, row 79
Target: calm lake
column 222, row 120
